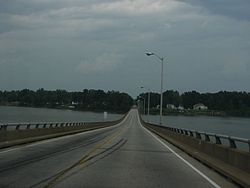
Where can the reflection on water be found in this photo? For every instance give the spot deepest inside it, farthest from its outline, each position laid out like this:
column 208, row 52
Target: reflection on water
column 23, row 114
column 231, row 126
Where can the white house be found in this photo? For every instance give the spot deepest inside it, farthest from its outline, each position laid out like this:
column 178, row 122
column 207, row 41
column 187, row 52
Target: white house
column 200, row 106
column 74, row 103
column 171, row 106
column 180, row 108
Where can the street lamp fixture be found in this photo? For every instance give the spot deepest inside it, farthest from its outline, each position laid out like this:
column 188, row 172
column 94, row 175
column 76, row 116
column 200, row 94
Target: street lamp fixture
column 161, row 60
column 149, row 53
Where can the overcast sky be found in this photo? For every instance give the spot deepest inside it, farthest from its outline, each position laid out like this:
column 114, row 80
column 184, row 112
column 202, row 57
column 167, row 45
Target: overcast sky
column 101, row 44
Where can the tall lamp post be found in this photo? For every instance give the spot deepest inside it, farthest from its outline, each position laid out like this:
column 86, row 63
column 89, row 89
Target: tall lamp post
column 148, row 97
column 161, row 60
column 143, row 105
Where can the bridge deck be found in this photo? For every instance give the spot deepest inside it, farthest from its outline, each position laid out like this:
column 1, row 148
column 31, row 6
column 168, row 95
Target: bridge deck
column 126, row 155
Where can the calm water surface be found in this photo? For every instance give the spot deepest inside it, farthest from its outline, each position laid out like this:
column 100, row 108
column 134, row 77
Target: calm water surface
column 231, row 126
column 9, row 114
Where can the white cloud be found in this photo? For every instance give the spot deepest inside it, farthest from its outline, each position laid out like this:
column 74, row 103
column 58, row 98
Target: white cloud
column 104, row 63
column 134, row 7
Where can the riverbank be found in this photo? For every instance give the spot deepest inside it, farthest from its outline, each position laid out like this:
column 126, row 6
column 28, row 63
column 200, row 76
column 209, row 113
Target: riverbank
column 191, row 112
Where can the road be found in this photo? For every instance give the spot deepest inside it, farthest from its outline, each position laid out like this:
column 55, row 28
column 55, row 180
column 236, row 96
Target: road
column 125, row 155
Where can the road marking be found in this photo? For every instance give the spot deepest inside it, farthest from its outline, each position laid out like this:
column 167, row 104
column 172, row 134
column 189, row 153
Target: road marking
column 82, row 162
column 177, row 155
column 62, row 137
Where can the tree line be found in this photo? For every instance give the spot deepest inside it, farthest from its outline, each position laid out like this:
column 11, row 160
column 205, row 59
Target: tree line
column 232, row 103
column 93, row 100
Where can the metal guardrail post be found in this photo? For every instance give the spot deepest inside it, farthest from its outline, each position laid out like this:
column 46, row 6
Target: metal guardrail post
column 37, row 125
column 17, row 127
column 207, row 139
column 44, row 125
column 232, row 142
column 186, row 132
column 191, row 133
column 198, row 135
column 28, row 126
column 217, row 139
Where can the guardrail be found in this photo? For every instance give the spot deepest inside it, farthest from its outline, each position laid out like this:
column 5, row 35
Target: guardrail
column 19, row 133
column 219, row 152
column 210, row 137
column 35, row 125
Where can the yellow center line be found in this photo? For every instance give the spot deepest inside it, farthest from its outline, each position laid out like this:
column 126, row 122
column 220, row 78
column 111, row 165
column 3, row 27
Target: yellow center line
column 83, row 160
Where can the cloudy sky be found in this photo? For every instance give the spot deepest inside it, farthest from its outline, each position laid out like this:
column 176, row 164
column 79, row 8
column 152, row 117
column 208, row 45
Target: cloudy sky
column 101, row 44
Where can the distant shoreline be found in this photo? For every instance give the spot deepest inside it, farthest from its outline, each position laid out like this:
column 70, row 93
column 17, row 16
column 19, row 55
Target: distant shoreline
column 63, row 108
column 166, row 112
column 211, row 113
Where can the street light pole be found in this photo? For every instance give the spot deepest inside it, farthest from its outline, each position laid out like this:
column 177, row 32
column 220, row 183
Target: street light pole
column 144, row 104
column 161, row 60
column 144, row 112
column 161, row 91
column 148, row 98
column 148, row 102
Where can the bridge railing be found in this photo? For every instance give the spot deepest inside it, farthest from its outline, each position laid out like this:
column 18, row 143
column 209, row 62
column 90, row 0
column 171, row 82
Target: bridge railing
column 220, row 139
column 37, row 125
column 223, row 153
column 18, row 133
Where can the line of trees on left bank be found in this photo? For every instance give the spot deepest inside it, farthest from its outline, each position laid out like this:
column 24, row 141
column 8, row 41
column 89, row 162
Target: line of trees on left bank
column 91, row 100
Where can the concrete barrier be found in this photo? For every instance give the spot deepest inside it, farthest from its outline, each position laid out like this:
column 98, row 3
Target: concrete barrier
column 19, row 136
column 231, row 162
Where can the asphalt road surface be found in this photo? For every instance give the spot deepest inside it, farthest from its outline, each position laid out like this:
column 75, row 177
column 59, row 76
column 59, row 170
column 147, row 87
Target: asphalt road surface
column 125, row 155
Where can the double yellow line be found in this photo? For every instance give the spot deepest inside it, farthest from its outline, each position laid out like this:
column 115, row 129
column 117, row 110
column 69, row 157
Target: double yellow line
column 86, row 158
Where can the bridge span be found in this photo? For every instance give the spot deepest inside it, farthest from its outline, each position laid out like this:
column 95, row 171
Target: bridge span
column 123, row 155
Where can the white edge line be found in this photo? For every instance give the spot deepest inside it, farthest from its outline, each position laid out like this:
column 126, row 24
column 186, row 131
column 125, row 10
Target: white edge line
column 177, row 155
column 61, row 137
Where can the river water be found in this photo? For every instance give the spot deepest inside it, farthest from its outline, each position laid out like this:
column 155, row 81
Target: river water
column 9, row 114
column 232, row 126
